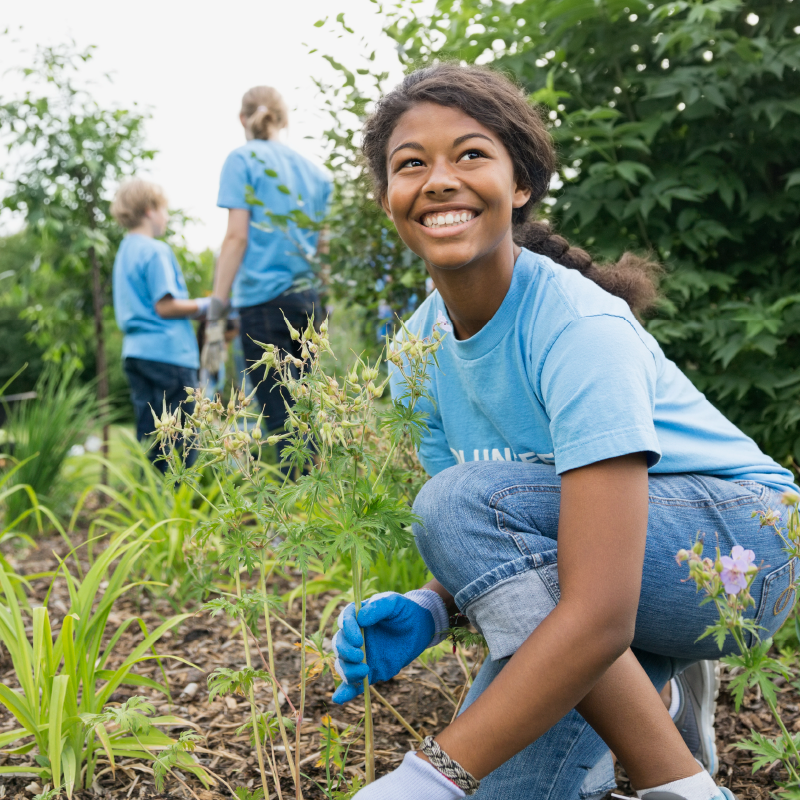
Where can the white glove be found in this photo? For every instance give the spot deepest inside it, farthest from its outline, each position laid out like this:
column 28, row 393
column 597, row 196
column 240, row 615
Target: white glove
column 414, row 779
column 214, row 345
column 203, row 304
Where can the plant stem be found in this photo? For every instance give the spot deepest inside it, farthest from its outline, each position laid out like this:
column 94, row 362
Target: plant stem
column 385, row 464
column 788, row 738
column 463, row 665
column 301, row 710
column 271, row 658
column 396, row 714
column 251, row 697
column 272, row 762
column 369, row 743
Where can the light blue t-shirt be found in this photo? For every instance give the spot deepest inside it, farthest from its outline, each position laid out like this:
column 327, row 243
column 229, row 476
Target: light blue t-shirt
column 145, row 270
column 281, row 181
column 564, row 374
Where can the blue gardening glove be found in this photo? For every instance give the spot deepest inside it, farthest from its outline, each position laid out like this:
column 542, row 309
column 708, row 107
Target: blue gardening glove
column 398, row 627
column 414, row 779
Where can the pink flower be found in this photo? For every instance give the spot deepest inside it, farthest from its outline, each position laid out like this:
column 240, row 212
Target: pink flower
column 734, row 569
column 443, row 323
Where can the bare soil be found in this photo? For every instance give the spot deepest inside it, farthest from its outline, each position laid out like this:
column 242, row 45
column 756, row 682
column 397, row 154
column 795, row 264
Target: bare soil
column 422, row 697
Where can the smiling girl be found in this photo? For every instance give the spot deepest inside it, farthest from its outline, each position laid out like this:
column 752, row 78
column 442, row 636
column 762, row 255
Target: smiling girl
column 570, row 461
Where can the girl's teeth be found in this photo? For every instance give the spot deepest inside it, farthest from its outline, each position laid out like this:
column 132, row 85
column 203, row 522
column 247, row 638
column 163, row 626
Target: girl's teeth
column 450, row 218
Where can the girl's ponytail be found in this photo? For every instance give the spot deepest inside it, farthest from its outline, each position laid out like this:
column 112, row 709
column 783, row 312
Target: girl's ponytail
column 264, row 111
column 632, row 278
column 495, row 102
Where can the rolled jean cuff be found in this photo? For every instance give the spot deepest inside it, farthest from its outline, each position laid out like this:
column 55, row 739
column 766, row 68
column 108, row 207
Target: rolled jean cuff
column 508, row 603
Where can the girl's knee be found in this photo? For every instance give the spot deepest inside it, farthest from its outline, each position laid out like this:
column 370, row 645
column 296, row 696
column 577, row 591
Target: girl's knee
column 451, row 502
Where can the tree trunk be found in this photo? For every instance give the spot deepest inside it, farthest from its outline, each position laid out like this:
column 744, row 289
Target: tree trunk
column 102, row 369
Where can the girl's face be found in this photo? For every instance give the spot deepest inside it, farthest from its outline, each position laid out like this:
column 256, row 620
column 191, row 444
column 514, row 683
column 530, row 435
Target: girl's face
column 451, row 186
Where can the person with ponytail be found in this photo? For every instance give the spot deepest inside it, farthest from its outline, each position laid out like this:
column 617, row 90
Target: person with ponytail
column 267, row 266
column 570, row 460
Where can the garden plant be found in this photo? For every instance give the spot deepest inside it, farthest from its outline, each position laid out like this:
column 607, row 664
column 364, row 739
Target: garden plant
column 725, row 581
column 64, row 682
column 340, row 444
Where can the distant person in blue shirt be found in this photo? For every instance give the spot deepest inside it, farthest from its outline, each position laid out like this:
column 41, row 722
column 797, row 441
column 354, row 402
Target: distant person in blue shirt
column 153, row 309
column 268, row 268
column 570, row 462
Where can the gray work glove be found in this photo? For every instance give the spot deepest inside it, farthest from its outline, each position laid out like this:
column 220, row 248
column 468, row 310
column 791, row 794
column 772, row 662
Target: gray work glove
column 214, row 345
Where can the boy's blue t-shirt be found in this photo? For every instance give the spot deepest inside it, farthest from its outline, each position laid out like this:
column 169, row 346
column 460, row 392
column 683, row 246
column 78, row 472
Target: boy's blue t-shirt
column 145, row 270
column 274, row 260
column 564, row 374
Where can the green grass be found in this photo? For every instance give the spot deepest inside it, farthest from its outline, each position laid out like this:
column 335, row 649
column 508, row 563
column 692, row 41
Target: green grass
column 85, row 470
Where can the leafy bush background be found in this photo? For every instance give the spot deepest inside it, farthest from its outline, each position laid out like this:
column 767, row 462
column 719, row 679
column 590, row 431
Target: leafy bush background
column 678, row 125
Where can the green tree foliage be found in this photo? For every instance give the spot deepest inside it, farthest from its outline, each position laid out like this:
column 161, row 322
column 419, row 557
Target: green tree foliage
column 17, row 254
column 70, row 152
column 677, row 127
column 372, row 271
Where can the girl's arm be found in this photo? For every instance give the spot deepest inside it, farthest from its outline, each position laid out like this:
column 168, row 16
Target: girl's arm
column 601, row 541
column 232, row 251
column 449, row 601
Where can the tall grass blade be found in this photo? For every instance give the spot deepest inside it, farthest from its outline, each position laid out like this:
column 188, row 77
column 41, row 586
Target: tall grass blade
column 54, row 745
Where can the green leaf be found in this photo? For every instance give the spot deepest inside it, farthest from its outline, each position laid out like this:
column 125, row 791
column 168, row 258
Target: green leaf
column 632, row 171
column 54, row 733
column 793, row 178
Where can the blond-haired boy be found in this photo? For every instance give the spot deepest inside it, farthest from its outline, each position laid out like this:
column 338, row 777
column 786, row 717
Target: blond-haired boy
column 153, row 308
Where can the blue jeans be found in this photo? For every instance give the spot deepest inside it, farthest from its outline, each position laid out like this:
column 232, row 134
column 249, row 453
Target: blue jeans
column 489, row 535
column 265, row 323
column 154, row 383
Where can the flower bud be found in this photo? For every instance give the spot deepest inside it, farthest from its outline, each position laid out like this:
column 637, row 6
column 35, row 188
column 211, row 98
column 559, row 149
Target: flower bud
column 790, row 498
column 697, row 547
column 293, row 332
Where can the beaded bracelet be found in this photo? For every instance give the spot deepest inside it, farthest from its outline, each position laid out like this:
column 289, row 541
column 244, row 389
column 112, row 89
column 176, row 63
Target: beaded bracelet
column 449, row 768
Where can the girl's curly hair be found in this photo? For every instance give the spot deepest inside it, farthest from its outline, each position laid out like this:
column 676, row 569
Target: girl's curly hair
column 501, row 106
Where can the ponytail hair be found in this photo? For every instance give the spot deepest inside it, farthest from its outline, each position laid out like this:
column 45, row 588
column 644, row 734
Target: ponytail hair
column 502, row 107
column 264, row 111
